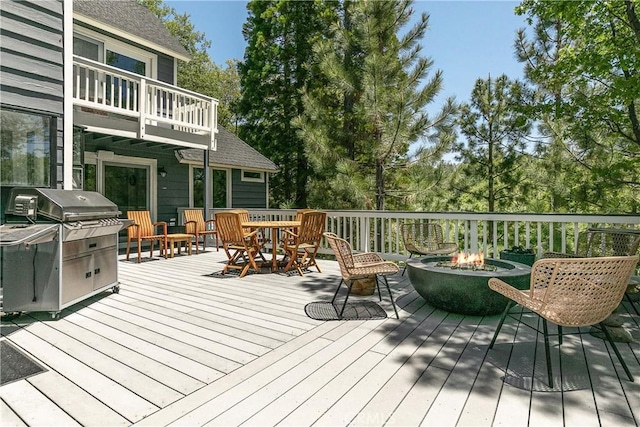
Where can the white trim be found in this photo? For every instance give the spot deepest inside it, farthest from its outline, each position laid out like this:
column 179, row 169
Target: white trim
column 249, row 179
column 102, row 158
column 129, row 36
column 67, row 103
column 150, row 59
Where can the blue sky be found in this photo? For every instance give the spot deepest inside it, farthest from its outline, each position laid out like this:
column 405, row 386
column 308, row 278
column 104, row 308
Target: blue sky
column 467, row 40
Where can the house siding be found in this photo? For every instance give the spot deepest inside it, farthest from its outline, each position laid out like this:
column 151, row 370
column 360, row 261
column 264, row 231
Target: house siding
column 31, row 76
column 247, row 194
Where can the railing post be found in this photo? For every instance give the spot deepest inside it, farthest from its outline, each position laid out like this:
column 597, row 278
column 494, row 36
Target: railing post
column 142, row 102
column 364, row 234
column 473, row 236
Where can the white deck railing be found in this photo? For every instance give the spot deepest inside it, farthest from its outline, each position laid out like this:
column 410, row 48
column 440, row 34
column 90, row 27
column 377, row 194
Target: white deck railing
column 107, row 89
column 377, row 231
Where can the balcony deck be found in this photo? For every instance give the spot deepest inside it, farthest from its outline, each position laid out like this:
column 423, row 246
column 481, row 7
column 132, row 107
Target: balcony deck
column 180, row 345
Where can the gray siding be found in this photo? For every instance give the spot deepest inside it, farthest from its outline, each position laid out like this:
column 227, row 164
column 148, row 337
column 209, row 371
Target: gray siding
column 247, row 194
column 31, row 72
column 165, row 69
column 32, row 54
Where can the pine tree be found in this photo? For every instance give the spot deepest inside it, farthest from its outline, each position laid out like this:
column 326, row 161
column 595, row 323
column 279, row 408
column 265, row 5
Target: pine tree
column 495, row 129
column 359, row 126
column 276, row 68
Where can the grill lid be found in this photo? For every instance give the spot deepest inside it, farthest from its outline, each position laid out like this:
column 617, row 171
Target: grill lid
column 64, row 205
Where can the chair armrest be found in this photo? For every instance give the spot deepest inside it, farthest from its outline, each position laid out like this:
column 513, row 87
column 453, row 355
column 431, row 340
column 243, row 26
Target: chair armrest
column 136, row 227
column 164, row 226
column 448, row 246
column 210, row 222
column 520, row 297
column 251, row 234
column 367, row 257
column 191, row 225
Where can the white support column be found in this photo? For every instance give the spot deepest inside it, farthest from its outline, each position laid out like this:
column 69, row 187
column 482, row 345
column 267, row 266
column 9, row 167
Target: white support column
column 143, row 105
column 67, row 104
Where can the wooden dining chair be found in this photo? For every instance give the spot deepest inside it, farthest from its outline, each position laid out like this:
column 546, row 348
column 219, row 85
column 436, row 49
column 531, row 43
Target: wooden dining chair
column 240, row 246
column 143, row 230
column 196, row 225
column 259, row 237
column 302, row 247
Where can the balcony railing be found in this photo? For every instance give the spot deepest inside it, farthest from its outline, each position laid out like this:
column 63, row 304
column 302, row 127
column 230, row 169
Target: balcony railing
column 377, row 231
column 103, row 89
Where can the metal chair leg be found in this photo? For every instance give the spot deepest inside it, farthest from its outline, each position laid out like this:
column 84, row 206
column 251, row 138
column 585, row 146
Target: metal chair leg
column 405, row 265
column 615, row 350
column 501, row 322
column 546, row 351
column 345, row 300
column 333, row 300
column 393, row 303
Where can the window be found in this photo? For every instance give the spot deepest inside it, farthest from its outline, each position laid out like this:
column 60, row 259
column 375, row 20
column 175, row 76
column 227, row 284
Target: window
column 252, row 176
column 25, row 152
column 125, row 62
column 87, row 48
column 219, row 186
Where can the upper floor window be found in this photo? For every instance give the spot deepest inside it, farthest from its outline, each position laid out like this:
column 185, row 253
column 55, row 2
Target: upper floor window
column 25, row 152
column 101, row 48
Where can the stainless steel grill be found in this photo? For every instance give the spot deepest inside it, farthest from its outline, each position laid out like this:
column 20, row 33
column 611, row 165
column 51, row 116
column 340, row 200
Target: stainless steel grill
column 58, row 247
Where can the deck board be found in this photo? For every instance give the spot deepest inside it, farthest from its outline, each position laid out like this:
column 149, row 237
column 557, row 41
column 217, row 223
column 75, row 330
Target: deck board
column 183, row 345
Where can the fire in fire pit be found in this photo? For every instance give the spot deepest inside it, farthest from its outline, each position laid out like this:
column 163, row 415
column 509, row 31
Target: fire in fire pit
column 465, row 261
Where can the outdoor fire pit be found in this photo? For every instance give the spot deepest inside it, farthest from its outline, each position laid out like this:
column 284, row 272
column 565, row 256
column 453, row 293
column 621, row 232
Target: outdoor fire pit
column 464, row 289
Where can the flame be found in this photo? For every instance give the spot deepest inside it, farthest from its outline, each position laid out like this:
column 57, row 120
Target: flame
column 462, row 258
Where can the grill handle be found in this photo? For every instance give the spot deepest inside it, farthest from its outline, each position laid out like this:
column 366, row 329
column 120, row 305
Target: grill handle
column 74, row 216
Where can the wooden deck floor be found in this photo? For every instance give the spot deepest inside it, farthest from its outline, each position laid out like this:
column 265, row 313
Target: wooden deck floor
column 182, row 345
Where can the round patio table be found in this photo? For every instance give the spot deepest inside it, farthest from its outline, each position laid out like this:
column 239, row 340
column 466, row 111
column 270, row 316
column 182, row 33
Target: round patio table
column 274, row 226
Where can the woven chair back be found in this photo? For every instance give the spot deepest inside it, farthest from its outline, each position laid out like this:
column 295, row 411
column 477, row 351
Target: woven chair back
column 579, row 291
column 311, row 227
column 342, row 251
column 229, row 225
column 422, row 237
column 196, row 216
column 143, row 219
column 612, row 243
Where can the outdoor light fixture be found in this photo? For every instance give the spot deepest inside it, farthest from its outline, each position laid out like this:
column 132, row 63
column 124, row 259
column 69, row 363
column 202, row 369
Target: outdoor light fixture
column 162, row 172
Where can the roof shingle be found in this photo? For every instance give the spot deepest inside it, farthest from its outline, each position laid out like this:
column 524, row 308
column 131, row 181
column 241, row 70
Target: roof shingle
column 231, row 151
column 132, row 18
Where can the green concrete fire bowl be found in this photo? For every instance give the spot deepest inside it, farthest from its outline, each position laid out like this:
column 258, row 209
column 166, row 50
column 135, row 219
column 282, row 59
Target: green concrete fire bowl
column 465, row 291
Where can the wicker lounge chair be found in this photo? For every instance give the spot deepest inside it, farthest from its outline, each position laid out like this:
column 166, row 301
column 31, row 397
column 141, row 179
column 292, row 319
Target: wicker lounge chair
column 240, row 246
column 599, row 242
column 425, row 238
column 143, row 230
column 302, row 246
column 195, row 224
column 359, row 266
column 571, row 292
